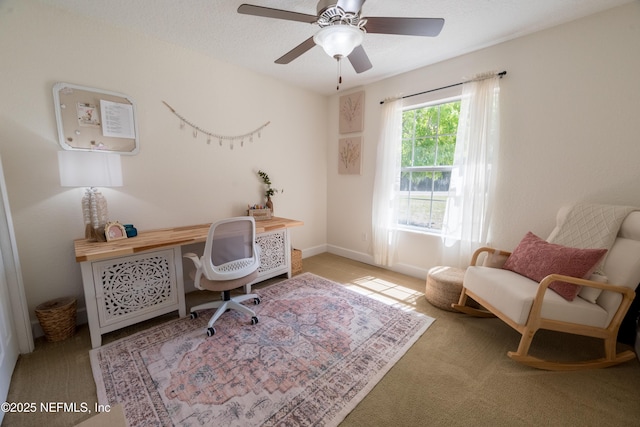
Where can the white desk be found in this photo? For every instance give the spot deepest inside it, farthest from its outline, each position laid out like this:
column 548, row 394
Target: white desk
column 131, row 280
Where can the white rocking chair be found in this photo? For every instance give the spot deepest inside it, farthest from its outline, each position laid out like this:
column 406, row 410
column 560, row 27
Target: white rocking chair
column 527, row 305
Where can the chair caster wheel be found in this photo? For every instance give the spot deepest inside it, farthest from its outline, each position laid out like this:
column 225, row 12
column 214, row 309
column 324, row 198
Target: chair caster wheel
column 254, row 320
column 256, row 301
column 193, row 315
column 211, row 332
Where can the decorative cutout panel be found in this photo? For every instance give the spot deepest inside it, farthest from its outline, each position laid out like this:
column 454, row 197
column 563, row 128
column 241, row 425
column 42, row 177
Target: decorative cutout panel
column 272, row 255
column 134, row 285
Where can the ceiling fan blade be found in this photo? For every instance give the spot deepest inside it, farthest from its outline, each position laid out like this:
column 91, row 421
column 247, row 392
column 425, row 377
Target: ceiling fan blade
column 296, row 51
column 429, row 27
column 353, row 6
column 359, row 60
column 268, row 12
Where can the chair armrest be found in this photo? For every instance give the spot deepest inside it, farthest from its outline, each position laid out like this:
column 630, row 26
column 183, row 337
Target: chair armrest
column 195, row 258
column 544, row 284
column 490, row 252
column 627, row 294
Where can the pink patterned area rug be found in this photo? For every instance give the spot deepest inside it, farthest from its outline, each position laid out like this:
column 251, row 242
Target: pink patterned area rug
column 317, row 350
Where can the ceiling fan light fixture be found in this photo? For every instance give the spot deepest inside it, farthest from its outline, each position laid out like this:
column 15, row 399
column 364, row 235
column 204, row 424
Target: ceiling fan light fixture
column 338, row 41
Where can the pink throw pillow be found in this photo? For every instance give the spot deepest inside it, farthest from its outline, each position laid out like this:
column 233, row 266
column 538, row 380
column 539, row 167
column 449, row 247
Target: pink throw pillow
column 536, row 258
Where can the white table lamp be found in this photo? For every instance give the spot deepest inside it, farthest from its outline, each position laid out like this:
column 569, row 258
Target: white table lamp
column 91, row 169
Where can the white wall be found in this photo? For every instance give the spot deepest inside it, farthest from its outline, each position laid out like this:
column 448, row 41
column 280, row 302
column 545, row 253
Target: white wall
column 570, row 132
column 175, row 179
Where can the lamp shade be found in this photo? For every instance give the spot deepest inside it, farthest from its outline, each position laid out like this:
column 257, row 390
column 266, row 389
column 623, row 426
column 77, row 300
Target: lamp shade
column 339, row 40
column 89, row 169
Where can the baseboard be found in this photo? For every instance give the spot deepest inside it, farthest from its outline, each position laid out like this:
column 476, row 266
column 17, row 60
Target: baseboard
column 409, row 270
column 316, row 250
column 351, row 254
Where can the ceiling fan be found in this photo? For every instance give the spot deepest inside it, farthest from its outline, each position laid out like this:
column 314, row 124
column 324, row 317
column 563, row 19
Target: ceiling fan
column 342, row 29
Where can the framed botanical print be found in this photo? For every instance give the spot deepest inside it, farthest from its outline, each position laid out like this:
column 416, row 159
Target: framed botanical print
column 350, row 155
column 351, row 112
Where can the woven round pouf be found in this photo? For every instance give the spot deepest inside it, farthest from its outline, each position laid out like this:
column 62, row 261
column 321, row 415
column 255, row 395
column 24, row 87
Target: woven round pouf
column 444, row 285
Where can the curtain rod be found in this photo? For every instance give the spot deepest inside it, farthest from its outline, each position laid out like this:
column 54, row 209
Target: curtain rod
column 501, row 74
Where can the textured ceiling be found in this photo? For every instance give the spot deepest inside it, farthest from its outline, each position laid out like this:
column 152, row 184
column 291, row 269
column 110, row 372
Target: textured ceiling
column 214, row 28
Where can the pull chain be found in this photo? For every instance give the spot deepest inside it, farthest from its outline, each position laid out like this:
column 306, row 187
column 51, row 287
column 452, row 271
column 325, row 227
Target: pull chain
column 338, row 58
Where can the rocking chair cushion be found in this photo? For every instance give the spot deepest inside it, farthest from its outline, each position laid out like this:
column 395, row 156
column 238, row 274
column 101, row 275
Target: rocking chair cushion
column 535, row 258
column 512, row 295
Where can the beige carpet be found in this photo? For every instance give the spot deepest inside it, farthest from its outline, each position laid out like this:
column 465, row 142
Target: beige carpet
column 457, row 374
column 111, row 417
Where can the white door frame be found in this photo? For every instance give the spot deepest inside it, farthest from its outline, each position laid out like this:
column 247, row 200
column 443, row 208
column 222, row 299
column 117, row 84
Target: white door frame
column 13, row 273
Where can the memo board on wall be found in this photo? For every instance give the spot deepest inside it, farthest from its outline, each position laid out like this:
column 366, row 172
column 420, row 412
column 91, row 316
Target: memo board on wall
column 95, row 120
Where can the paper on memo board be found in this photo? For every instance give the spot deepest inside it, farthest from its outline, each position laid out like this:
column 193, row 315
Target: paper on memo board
column 117, row 119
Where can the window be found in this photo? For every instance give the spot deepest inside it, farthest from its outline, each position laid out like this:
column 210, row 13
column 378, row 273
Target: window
column 428, row 147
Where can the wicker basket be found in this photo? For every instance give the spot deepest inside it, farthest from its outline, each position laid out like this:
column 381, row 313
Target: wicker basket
column 296, row 261
column 57, row 318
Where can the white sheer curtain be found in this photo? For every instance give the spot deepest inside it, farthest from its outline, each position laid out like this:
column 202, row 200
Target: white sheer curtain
column 386, row 184
column 471, row 190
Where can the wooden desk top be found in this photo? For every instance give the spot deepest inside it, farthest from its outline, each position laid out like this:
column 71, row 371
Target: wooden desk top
column 164, row 237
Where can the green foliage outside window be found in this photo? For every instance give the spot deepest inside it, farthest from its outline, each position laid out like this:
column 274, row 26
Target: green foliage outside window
column 428, row 148
column 429, row 135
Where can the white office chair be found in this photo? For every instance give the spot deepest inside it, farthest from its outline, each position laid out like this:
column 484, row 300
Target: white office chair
column 230, row 261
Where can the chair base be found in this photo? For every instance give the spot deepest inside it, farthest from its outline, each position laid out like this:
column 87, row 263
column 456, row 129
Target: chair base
column 227, row 303
column 477, row 312
column 534, row 362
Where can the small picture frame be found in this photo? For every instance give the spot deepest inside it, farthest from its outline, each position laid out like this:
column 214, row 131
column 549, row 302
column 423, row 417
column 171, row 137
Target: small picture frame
column 114, row 231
